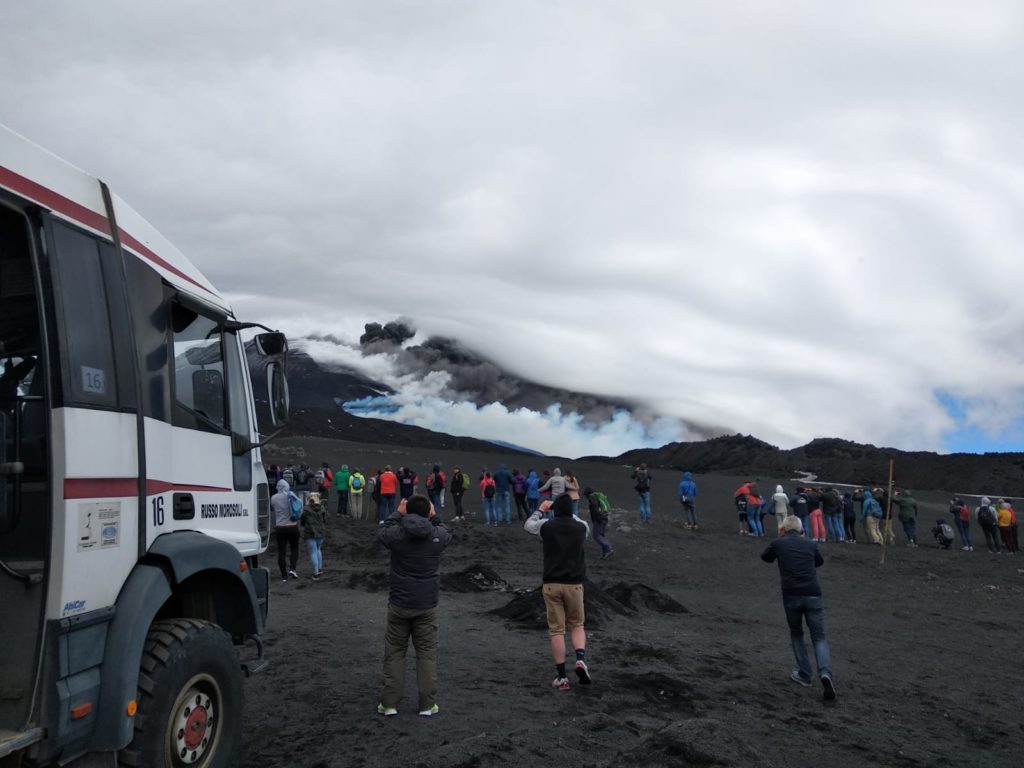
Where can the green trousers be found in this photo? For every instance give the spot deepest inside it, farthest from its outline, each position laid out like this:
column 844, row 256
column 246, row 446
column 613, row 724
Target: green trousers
column 421, row 626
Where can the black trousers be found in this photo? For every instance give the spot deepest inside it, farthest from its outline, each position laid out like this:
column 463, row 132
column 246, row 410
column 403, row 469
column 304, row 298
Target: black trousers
column 287, row 535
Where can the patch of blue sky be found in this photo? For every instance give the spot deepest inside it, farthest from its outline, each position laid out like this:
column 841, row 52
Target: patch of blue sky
column 971, row 438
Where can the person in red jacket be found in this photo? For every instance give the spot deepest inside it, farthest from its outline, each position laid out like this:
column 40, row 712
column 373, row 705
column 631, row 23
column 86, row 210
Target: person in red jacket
column 388, row 485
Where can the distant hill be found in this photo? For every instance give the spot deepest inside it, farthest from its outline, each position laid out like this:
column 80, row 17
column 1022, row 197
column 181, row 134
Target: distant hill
column 834, row 460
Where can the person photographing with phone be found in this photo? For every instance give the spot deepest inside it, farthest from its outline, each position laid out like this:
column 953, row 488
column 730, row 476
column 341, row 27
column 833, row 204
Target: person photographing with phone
column 416, row 537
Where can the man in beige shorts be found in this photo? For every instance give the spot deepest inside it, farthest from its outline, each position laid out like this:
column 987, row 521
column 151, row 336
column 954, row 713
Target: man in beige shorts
column 565, row 568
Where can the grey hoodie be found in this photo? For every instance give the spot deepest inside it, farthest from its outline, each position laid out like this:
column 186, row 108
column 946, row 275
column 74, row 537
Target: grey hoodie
column 280, row 506
column 557, row 484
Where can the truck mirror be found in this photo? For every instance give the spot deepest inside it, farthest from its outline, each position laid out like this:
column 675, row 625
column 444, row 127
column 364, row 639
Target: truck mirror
column 271, row 344
column 277, row 393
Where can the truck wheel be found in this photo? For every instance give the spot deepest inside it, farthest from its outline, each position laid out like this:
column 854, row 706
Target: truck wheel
column 189, row 699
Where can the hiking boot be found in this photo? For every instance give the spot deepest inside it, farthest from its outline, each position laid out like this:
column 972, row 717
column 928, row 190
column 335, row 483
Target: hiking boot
column 386, row 711
column 582, row 672
column 560, row 683
column 430, row 712
column 796, row 677
column 829, row 689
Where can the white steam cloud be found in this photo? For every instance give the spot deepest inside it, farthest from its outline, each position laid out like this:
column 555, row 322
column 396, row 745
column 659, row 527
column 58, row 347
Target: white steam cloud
column 427, row 401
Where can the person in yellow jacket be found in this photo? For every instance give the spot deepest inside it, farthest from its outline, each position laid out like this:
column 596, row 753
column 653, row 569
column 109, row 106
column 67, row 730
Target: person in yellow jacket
column 1007, row 520
column 356, row 486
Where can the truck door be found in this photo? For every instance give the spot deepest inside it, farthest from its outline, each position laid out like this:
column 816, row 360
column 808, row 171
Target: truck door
column 24, row 468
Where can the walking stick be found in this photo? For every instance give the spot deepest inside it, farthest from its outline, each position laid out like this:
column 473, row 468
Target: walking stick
column 888, row 513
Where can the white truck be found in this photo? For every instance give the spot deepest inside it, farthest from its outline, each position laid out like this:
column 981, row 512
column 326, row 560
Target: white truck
column 133, row 502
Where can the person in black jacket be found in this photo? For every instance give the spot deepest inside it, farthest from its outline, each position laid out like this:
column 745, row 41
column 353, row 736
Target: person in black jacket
column 801, row 597
column 416, row 538
column 564, row 570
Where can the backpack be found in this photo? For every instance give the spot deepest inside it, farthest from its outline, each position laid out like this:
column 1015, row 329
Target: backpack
column 320, row 477
column 489, row 491
column 965, row 514
column 602, row 501
column 357, row 482
column 800, row 505
column 465, row 481
column 295, row 504
column 303, row 477
column 437, row 483
column 986, row 516
column 288, row 476
column 643, row 481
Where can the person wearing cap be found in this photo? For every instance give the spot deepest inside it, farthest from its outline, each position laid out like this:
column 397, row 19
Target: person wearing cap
column 416, row 537
column 799, row 560
column 565, row 568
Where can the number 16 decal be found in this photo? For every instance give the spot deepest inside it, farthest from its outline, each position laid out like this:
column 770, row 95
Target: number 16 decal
column 158, row 510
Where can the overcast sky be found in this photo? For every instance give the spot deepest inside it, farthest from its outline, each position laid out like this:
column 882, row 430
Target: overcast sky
column 788, row 219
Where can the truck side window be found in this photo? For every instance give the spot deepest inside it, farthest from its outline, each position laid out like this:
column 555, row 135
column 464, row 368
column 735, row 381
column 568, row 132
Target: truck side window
column 199, row 394
column 84, row 322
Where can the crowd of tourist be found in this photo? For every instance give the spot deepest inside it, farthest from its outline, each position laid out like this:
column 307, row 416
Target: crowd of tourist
column 826, row 514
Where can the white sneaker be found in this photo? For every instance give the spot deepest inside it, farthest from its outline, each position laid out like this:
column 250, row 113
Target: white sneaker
column 430, row 712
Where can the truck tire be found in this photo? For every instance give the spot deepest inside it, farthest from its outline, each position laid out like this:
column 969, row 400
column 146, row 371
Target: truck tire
column 189, row 698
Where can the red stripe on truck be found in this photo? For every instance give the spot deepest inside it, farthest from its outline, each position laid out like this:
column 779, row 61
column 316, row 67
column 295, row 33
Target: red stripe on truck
column 53, row 200
column 97, row 221
column 121, row 487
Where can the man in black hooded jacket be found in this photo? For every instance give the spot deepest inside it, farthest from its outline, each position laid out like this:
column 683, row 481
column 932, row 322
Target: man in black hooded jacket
column 564, row 571
column 416, row 538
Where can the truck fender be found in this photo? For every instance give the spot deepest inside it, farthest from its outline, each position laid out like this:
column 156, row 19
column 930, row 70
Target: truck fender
column 144, row 592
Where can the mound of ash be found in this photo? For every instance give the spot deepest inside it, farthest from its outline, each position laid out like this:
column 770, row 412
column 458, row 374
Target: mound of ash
column 600, row 604
column 636, row 594
column 475, row 578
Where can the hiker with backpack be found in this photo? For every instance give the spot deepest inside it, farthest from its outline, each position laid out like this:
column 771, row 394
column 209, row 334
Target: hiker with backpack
column 459, row 486
column 341, row 488
column 688, row 498
column 286, row 528
column 288, row 475
column 356, row 488
column 303, row 482
column 988, row 521
column 487, row 494
column 435, row 485
column 324, row 479
column 961, row 522
column 642, row 483
column 600, row 516
column 849, row 518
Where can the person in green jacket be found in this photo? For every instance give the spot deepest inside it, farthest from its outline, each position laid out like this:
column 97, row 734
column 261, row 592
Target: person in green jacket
column 341, row 486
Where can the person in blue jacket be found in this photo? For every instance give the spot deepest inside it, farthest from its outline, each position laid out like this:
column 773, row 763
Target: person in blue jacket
column 688, row 498
column 503, row 493
column 532, row 491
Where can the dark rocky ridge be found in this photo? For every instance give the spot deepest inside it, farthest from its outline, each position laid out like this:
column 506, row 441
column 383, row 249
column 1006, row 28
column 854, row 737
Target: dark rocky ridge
column 843, row 461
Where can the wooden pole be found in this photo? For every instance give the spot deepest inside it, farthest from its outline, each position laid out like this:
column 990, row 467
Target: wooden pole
column 888, row 513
